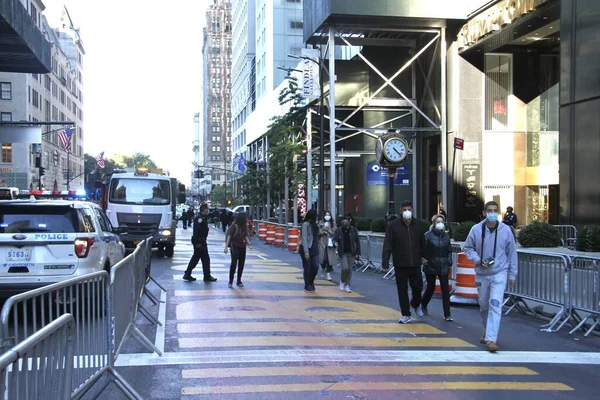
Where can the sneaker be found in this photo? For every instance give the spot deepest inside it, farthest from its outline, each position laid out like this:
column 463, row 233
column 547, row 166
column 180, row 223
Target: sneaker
column 405, row 319
column 424, row 310
column 312, row 288
column 492, row 347
column 482, row 339
column 309, row 289
column 230, row 285
column 188, row 278
column 450, row 319
column 210, row 279
column 347, row 289
column 240, row 284
column 342, row 286
column 322, row 274
column 329, row 276
column 418, row 311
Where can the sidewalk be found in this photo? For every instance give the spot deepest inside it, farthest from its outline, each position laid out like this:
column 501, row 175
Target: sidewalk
column 271, row 340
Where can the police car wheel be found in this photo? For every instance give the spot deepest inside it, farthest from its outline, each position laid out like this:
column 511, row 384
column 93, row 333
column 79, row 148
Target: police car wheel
column 160, row 253
column 169, row 250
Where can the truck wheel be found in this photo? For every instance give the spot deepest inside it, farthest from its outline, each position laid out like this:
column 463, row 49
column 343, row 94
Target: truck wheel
column 160, row 253
column 169, row 250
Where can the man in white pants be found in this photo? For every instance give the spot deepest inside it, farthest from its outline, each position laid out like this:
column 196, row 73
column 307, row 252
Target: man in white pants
column 491, row 247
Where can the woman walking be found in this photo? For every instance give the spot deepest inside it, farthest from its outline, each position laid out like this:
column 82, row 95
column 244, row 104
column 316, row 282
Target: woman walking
column 348, row 246
column 439, row 261
column 309, row 249
column 238, row 238
column 327, row 256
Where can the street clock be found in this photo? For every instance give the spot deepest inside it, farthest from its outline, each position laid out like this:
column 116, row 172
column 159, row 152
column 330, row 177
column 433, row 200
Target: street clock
column 391, row 150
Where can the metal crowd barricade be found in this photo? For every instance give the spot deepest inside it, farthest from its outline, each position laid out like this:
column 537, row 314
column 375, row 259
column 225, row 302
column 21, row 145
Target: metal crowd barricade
column 41, row 366
column 375, row 253
column 585, row 292
column 568, row 235
column 87, row 299
column 456, row 248
column 543, row 278
column 362, row 264
column 127, row 281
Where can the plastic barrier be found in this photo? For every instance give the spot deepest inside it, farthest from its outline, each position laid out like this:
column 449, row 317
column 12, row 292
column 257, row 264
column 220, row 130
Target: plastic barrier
column 465, row 291
column 262, row 231
column 279, row 236
column 270, row 234
column 438, row 288
column 293, row 236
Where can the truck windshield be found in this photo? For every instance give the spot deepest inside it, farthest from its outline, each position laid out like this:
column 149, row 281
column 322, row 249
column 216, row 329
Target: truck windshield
column 140, row 191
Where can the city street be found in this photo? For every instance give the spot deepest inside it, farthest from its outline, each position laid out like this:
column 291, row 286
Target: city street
column 271, row 340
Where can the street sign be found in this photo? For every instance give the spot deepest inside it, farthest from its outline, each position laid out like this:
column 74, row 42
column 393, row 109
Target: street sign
column 459, row 143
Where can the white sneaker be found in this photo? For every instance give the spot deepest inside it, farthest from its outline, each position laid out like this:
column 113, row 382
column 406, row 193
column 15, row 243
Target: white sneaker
column 347, row 289
column 342, row 286
column 418, row 311
column 328, row 276
column 404, row 320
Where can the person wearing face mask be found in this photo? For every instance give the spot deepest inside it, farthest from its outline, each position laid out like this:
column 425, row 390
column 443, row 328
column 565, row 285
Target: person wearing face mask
column 348, row 245
column 309, row 249
column 438, row 254
column 491, row 247
column 327, row 256
column 405, row 241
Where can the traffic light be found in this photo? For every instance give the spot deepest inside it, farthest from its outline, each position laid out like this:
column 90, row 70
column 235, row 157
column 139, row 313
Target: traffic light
column 229, row 202
column 42, row 171
column 198, row 174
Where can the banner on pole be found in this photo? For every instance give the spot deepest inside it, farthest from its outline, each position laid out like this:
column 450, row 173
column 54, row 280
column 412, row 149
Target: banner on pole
column 310, row 74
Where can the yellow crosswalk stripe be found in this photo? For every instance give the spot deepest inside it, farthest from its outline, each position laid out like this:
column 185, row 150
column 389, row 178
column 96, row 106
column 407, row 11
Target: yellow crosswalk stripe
column 321, row 341
column 323, row 292
column 306, row 327
column 247, row 269
column 375, row 386
column 351, row 370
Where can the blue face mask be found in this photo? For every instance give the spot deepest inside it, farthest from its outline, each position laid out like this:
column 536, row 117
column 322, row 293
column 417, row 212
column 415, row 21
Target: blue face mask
column 492, row 217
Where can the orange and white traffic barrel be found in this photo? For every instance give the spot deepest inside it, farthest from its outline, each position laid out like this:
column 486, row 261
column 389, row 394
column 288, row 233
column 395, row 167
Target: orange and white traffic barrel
column 262, row 231
column 270, row 234
column 279, row 236
column 465, row 291
column 293, row 236
column 438, row 287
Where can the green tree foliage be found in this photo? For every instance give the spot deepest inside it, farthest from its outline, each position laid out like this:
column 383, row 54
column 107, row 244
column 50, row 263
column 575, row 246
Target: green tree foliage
column 379, row 225
column 90, row 165
column 218, row 198
column 588, row 239
column 283, row 145
column 462, row 231
column 539, row 234
column 254, row 184
column 139, row 160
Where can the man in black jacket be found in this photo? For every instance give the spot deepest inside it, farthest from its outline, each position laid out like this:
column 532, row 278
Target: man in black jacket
column 405, row 241
column 199, row 241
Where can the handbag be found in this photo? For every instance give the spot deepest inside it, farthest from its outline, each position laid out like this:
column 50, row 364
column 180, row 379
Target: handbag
column 330, row 243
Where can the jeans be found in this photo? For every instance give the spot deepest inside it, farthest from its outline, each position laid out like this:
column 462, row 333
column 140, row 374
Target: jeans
column 445, row 292
column 200, row 253
column 311, row 268
column 238, row 259
column 490, row 289
column 414, row 278
column 346, row 262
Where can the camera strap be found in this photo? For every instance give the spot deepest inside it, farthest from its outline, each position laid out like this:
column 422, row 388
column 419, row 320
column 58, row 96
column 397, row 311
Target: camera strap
column 483, row 227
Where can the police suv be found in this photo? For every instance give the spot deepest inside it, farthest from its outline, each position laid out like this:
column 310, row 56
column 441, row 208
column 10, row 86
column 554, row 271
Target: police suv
column 48, row 241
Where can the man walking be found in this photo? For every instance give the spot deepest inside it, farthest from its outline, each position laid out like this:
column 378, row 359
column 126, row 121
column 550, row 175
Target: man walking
column 405, row 240
column 200, row 234
column 491, row 247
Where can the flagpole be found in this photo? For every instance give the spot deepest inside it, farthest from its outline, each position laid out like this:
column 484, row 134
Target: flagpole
column 68, row 168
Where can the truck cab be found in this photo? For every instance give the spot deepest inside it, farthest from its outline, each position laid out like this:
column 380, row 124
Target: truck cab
column 145, row 204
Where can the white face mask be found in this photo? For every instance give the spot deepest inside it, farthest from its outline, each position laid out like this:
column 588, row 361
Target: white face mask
column 407, row 214
column 327, row 217
column 439, row 226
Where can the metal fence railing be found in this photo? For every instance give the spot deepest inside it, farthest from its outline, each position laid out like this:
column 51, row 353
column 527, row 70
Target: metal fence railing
column 585, row 292
column 568, row 235
column 104, row 310
column 41, row 366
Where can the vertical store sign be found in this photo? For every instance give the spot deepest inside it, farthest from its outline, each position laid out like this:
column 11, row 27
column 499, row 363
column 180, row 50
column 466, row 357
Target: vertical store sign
column 302, row 198
column 471, row 181
column 310, row 74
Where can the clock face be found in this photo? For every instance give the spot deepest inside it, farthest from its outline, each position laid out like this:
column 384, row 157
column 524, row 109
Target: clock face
column 395, row 150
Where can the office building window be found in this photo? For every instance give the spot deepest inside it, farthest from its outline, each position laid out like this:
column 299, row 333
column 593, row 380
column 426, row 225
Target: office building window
column 5, row 91
column 6, row 117
column 6, row 152
column 296, row 24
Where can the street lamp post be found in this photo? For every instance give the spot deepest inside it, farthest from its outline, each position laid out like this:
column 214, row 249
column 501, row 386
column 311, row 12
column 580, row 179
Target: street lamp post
column 321, row 206
column 224, row 168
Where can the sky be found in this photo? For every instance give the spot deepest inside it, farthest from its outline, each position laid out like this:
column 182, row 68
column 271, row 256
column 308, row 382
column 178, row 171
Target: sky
column 142, row 76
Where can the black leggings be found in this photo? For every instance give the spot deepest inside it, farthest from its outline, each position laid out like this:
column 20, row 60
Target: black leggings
column 445, row 292
column 238, row 259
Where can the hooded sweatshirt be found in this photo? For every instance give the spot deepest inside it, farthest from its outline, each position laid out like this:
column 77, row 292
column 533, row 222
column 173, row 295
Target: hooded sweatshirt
column 506, row 250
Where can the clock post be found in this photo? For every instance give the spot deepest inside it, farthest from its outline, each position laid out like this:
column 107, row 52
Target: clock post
column 391, row 151
column 391, row 214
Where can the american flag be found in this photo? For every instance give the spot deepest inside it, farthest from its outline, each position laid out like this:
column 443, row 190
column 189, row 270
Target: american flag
column 100, row 159
column 65, row 138
column 235, row 162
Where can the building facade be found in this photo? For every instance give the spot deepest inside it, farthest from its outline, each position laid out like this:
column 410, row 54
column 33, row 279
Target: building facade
column 217, row 54
column 56, row 96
